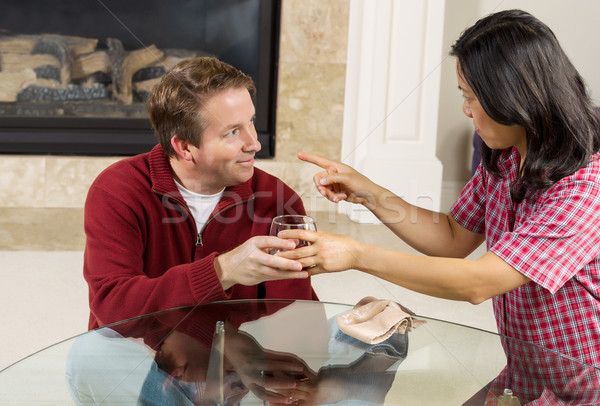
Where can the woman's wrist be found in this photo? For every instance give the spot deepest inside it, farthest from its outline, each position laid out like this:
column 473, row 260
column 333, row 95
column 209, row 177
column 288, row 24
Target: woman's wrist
column 359, row 252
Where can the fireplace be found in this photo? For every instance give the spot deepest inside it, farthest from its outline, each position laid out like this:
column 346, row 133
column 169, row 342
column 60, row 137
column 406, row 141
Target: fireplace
column 74, row 74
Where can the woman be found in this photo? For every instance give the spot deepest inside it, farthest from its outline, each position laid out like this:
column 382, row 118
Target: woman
column 535, row 199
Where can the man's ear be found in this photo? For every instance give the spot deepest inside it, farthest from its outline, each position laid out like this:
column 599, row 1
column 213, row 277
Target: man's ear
column 181, row 147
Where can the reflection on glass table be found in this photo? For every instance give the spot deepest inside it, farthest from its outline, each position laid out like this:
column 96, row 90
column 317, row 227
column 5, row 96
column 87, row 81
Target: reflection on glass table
column 289, row 352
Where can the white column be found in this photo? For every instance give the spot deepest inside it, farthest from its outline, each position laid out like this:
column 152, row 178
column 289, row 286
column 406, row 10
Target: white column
column 392, row 94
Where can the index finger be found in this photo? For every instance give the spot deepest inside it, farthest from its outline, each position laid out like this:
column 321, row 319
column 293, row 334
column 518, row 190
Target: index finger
column 267, row 241
column 297, row 234
column 315, row 159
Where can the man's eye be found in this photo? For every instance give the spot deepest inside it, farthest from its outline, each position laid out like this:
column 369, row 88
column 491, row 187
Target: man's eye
column 252, row 120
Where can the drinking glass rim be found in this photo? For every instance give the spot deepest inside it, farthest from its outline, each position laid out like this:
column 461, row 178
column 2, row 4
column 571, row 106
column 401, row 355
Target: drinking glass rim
column 305, row 218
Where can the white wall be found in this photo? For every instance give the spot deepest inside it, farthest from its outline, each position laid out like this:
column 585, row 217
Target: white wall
column 576, row 24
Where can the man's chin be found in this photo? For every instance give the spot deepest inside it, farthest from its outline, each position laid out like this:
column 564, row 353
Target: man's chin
column 245, row 175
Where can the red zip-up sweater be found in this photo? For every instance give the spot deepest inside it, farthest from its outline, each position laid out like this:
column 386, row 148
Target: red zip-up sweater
column 143, row 253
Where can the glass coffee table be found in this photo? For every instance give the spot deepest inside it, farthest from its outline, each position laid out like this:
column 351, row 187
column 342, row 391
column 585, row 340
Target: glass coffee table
column 257, row 352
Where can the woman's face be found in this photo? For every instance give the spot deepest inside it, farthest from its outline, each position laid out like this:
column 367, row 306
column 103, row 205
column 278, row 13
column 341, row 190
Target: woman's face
column 494, row 134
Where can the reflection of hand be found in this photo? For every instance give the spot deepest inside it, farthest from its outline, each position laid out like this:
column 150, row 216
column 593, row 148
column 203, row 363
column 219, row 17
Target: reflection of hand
column 341, row 182
column 250, row 264
column 328, row 252
column 367, row 379
column 272, row 377
column 299, row 391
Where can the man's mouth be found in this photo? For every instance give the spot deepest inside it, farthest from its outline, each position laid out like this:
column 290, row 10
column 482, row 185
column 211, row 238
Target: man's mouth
column 249, row 161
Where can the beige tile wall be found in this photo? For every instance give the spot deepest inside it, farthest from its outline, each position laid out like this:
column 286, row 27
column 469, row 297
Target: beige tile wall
column 312, row 70
column 47, row 181
column 309, row 116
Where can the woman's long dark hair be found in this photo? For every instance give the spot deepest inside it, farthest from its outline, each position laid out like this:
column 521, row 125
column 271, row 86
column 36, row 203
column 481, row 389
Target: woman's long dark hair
column 521, row 76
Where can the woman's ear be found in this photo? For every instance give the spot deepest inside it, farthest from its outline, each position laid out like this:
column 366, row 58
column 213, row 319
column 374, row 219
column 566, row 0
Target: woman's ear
column 181, row 147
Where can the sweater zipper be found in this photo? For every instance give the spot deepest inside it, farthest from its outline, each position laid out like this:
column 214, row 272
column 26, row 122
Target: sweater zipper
column 184, row 206
column 211, row 218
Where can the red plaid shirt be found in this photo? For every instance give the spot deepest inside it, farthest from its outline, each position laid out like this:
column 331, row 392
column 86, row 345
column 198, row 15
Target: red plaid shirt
column 553, row 238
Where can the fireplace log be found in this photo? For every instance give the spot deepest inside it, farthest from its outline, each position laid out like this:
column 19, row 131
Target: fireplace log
column 14, row 62
column 159, row 68
column 148, row 73
column 56, row 45
column 125, row 64
column 14, row 82
column 47, row 72
column 80, row 45
column 170, row 58
column 87, row 64
column 145, row 86
column 19, row 44
column 25, row 44
column 44, row 53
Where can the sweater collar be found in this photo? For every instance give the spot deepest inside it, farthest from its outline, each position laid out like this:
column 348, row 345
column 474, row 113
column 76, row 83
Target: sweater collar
column 163, row 182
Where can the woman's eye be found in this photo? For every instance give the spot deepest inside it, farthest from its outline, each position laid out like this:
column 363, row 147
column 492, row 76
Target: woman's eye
column 232, row 132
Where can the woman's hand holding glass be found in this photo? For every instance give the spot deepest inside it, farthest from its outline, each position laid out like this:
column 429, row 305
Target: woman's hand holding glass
column 325, row 253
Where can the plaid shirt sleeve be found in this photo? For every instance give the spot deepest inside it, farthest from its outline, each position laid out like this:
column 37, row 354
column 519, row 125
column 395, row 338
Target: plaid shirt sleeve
column 558, row 234
column 469, row 208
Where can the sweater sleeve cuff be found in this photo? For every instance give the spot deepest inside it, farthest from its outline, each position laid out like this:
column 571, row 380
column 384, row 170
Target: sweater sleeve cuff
column 204, row 283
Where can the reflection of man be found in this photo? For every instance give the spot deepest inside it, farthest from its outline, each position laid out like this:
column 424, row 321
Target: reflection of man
column 110, row 366
column 188, row 222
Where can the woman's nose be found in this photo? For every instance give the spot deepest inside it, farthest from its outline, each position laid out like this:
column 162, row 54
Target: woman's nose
column 467, row 110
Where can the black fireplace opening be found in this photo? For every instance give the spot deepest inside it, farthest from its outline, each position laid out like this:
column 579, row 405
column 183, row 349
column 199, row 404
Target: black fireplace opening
column 75, row 74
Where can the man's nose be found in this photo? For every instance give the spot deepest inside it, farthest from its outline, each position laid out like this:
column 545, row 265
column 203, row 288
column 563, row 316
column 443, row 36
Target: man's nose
column 250, row 140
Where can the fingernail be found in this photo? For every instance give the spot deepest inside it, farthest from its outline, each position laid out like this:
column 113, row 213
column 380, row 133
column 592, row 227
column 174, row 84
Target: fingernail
column 323, row 181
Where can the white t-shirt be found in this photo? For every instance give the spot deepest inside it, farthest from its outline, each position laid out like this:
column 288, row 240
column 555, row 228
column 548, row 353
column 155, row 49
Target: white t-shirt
column 201, row 206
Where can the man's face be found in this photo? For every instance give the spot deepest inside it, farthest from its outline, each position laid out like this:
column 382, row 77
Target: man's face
column 225, row 156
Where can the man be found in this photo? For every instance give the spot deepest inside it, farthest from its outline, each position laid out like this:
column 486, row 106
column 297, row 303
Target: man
column 188, row 222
